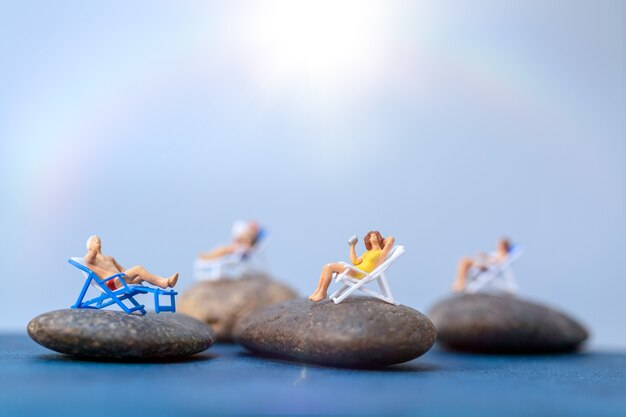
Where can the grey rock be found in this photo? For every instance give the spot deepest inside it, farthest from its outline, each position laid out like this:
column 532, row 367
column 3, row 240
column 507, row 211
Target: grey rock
column 114, row 335
column 222, row 302
column 359, row 332
column 491, row 323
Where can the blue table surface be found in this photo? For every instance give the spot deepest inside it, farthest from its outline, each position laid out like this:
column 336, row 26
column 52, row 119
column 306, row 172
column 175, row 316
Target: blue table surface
column 227, row 380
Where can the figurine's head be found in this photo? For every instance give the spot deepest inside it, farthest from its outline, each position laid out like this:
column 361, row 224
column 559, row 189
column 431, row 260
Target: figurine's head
column 504, row 245
column 245, row 232
column 94, row 243
column 374, row 239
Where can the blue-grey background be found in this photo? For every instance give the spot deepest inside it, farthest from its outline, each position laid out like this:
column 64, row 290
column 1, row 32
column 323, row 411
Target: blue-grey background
column 446, row 124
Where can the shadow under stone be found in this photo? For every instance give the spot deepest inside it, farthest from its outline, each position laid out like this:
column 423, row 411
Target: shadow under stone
column 401, row 367
column 510, row 351
column 59, row 357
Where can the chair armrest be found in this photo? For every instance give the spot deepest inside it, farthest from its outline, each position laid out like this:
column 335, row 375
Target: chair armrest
column 113, row 277
column 349, row 267
column 230, row 259
column 120, row 275
column 354, row 268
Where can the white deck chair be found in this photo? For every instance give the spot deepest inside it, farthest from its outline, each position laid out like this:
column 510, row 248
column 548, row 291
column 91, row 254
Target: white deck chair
column 232, row 265
column 350, row 284
column 497, row 278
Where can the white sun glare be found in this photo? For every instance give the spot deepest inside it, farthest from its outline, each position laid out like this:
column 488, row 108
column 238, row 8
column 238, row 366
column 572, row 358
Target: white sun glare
column 321, row 45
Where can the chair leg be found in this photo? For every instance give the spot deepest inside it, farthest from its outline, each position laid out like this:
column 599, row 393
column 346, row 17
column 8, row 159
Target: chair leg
column 124, row 308
column 157, row 307
column 173, row 302
column 337, row 293
column 137, row 306
column 384, row 286
column 510, row 282
column 380, row 296
column 79, row 301
column 343, row 296
column 97, row 303
column 481, row 280
column 350, row 290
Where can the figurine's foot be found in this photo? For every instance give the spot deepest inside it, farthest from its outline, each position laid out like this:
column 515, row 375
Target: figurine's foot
column 458, row 287
column 171, row 281
column 317, row 297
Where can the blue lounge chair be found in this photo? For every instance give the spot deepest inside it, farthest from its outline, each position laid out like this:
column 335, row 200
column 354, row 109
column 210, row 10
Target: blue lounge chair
column 125, row 292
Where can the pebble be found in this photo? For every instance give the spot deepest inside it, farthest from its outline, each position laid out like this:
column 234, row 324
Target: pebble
column 359, row 332
column 490, row 323
column 223, row 302
column 115, row 335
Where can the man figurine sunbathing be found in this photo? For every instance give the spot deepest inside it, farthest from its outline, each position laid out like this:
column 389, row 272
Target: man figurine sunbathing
column 245, row 236
column 105, row 266
column 376, row 253
column 481, row 262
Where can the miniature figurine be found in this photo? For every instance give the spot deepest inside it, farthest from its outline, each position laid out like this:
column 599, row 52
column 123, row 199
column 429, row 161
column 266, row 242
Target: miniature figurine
column 249, row 238
column 475, row 272
column 112, row 281
column 377, row 252
column 104, row 266
column 245, row 236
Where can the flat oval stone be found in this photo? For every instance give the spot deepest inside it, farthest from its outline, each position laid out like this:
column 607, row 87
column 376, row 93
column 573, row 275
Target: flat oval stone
column 223, row 302
column 105, row 334
column 492, row 323
column 359, row 332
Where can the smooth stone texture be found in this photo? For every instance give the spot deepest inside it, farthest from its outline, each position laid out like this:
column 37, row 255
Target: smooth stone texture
column 491, row 323
column 359, row 332
column 223, row 302
column 105, row 334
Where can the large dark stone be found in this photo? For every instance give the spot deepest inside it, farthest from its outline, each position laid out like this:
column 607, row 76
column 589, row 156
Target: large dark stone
column 504, row 324
column 359, row 332
column 223, row 302
column 104, row 334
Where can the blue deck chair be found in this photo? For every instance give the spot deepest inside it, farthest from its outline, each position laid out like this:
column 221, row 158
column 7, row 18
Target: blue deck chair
column 125, row 292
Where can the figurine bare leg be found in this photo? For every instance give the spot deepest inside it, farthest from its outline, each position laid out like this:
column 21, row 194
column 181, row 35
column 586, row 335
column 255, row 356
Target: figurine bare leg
column 138, row 274
column 324, row 282
column 218, row 252
column 465, row 264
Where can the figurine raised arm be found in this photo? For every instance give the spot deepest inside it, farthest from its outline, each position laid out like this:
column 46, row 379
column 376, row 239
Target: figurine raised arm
column 376, row 253
column 480, row 262
column 105, row 266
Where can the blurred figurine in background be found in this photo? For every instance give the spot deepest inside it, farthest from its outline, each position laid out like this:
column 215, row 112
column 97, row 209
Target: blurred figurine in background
column 245, row 237
column 235, row 258
column 105, row 266
column 377, row 251
column 484, row 270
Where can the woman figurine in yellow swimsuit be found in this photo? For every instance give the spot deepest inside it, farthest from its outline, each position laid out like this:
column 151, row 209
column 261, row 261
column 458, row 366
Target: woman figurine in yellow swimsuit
column 377, row 251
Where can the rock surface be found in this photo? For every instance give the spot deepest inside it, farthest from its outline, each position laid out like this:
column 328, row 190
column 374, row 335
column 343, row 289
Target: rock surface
column 504, row 324
column 359, row 332
column 105, row 334
column 223, row 302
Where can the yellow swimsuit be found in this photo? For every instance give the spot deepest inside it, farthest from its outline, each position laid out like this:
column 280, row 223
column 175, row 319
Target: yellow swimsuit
column 368, row 264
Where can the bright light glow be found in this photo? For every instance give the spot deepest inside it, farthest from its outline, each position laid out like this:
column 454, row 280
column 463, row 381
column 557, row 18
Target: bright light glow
column 321, row 45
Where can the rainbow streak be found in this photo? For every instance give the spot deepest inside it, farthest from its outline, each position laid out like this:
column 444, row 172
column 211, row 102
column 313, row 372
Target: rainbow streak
column 52, row 154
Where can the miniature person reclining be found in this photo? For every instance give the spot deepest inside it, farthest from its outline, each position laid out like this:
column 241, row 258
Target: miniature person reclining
column 481, row 262
column 105, row 266
column 245, row 236
column 377, row 251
